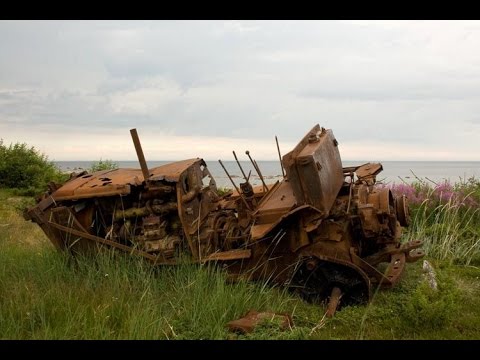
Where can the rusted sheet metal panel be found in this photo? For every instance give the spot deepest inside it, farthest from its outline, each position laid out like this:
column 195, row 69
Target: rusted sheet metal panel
column 84, row 193
column 258, row 231
column 101, row 183
column 367, row 172
column 314, row 169
column 276, row 204
column 172, row 172
column 118, row 181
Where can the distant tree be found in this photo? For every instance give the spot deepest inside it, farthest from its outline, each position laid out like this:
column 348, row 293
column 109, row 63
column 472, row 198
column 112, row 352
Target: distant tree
column 103, row 165
column 26, row 169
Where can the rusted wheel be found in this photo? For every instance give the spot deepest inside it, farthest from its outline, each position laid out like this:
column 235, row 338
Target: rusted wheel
column 315, row 283
column 403, row 215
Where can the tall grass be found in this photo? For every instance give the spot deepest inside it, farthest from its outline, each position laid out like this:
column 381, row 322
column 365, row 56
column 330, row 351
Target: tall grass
column 47, row 295
column 446, row 217
column 449, row 232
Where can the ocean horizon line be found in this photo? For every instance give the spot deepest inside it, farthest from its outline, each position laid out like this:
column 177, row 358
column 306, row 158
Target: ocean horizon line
column 210, row 160
column 393, row 170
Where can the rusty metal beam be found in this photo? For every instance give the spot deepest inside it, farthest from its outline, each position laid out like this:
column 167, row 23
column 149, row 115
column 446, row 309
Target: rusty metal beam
column 240, row 166
column 257, row 170
column 141, row 157
column 280, row 156
column 100, row 240
column 230, row 255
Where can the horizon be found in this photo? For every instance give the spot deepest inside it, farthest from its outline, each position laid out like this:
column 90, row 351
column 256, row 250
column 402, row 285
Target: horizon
column 393, row 171
column 247, row 161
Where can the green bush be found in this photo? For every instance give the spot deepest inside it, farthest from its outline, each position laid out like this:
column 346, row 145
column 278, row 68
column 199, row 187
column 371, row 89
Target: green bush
column 26, row 169
column 431, row 309
column 103, row 165
column 223, row 191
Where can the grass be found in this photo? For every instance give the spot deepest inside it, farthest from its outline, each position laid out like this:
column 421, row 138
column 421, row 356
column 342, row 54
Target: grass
column 46, row 295
column 446, row 217
column 450, row 232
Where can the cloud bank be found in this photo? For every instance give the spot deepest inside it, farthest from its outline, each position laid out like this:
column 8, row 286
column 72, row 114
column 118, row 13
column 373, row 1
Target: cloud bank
column 390, row 90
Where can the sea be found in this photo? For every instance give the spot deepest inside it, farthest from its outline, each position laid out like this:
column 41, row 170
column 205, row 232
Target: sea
column 434, row 172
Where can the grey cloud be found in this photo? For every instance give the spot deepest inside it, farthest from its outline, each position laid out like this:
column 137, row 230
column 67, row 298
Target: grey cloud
column 399, row 82
column 392, row 94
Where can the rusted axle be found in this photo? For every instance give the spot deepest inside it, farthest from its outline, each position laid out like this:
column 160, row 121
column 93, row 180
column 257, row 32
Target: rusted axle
column 335, row 297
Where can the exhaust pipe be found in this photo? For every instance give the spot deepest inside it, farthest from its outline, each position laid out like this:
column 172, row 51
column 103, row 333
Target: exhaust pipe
column 141, row 157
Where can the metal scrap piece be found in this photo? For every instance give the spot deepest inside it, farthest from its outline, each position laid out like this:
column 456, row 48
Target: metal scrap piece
column 253, row 318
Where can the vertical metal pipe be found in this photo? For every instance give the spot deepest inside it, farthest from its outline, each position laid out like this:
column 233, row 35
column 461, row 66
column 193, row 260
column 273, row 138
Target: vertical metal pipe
column 240, row 166
column 141, row 157
column 261, row 175
column 280, row 156
column 257, row 170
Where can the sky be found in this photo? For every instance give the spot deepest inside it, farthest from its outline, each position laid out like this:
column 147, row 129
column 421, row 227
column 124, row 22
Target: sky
column 389, row 90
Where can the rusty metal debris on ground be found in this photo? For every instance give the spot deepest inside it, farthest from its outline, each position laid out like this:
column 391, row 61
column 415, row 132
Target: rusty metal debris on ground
column 323, row 230
column 254, row 318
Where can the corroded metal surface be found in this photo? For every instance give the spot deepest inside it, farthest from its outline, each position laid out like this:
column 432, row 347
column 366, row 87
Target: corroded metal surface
column 314, row 169
column 118, row 181
column 324, row 230
column 254, row 318
column 333, row 301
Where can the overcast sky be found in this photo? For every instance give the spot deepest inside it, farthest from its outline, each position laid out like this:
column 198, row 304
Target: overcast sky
column 389, row 90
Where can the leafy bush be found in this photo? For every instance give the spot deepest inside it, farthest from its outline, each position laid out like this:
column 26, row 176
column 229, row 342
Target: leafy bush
column 103, row 165
column 223, row 191
column 430, row 309
column 26, row 169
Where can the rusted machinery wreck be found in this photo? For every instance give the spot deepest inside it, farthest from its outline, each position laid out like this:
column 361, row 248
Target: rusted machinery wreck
column 323, row 230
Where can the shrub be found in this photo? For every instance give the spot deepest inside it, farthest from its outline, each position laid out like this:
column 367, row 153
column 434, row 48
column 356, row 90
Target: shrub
column 103, row 165
column 26, row 169
column 223, row 191
column 430, row 309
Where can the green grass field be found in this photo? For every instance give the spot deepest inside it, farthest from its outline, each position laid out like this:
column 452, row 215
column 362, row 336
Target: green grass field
column 46, row 295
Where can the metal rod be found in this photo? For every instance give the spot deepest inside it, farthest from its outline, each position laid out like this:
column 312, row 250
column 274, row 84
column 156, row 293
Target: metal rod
column 240, row 166
column 235, row 186
column 334, row 301
column 115, row 244
column 350, row 192
column 141, row 157
column 261, row 175
column 257, row 170
column 280, row 157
